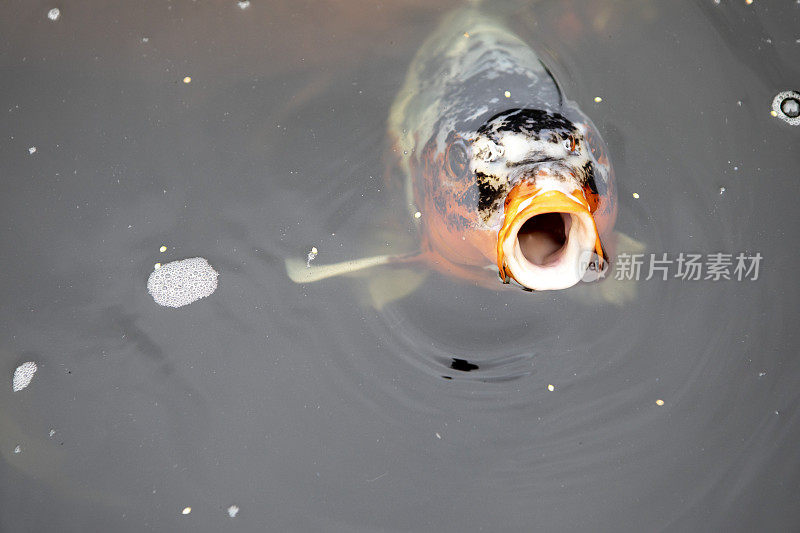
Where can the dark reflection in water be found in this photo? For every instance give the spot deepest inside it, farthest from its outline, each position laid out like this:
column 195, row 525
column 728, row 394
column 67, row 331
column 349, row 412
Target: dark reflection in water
column 309, row 408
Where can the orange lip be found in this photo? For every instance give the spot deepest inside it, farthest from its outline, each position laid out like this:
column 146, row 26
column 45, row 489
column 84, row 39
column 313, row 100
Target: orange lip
column 524, row 202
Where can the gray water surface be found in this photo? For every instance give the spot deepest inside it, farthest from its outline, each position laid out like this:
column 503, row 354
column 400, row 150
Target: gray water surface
column 311, row 410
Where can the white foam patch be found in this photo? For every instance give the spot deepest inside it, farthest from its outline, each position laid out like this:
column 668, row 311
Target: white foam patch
column 182, row 282
column 23, row 375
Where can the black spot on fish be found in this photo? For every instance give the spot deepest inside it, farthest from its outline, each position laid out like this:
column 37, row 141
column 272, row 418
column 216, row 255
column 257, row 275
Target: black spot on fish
column 488, row 192
column 463, row 365
column 529, row 121
column 589, row 179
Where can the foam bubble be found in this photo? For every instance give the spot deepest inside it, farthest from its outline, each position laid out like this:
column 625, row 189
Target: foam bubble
column 182, row 282
column 786, row 106
column 23, row 375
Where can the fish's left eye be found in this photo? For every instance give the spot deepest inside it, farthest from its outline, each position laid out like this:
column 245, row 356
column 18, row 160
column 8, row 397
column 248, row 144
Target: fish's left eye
column 570, row 144
column 456, row 159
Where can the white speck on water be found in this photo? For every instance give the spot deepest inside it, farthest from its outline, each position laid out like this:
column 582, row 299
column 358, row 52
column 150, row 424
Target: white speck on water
column 635, row 195
column 233, row 510
column 438, row 436
column 32, row 150
column 722, row 190
column 18, row 449
column 417, row 215
column 186, row 510
column 182, row 282
column 551, row 388
column 598, row 99
column 53, row 14
column 145, row 39
column 52, row 433
column 23, row 375
column 762, row 374
column 243, row 4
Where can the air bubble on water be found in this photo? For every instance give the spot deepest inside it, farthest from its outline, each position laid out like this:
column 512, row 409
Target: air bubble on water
column 32, row 150
column 312, row 254
column 786, row 106
column 53, row 14
column 233, row 510
column 182, row 282
column 722, row 190
column 18, row 449
column 243, row 4
column 52, row 433
column 23, row 375
column 791, row 107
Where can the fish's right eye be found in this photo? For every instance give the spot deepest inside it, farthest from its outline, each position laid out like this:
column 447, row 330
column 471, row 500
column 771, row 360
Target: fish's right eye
column 456, row 159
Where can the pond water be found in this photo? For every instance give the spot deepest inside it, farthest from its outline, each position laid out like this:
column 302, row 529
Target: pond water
column 248, row 133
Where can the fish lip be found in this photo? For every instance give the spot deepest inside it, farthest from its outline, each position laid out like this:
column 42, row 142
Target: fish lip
column 559, row 269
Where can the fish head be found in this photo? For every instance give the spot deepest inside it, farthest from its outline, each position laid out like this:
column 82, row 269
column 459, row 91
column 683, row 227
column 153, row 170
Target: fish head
column 545, row 186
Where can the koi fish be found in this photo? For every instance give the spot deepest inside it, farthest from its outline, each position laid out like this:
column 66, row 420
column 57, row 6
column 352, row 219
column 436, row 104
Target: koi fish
column 506, row 179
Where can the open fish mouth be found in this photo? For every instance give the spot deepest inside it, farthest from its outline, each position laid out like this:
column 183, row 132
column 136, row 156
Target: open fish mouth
column 546, row 237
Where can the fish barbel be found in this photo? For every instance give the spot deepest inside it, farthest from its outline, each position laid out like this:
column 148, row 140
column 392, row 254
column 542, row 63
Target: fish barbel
column 505, row 174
